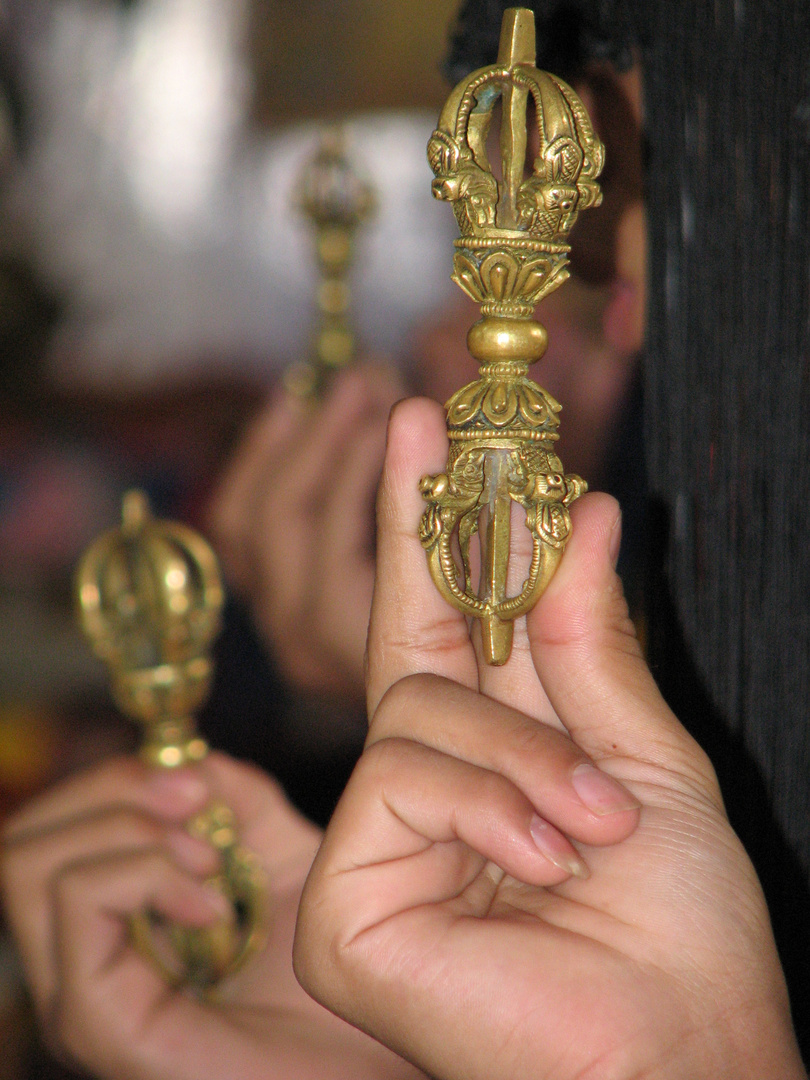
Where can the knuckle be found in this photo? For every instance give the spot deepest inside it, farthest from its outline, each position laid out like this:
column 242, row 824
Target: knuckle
column 306, row 947
column 533, row 743
column 131, row 826
column 407, row 695
column 316, row 956
column 385, row 758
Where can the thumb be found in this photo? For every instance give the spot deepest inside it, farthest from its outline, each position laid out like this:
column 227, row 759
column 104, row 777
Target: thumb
column 590, row 661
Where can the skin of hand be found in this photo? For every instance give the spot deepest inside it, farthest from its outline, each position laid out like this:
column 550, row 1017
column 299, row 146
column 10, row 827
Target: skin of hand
column 441, row 914
column 86, row 855
column 292, row 519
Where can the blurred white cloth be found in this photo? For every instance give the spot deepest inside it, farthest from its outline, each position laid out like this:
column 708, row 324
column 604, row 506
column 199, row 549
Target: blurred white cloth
column 166, row 226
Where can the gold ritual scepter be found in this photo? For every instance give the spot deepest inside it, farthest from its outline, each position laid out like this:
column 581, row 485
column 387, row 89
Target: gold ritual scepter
column 512, row 252
column 149, row 597
column 336, row 201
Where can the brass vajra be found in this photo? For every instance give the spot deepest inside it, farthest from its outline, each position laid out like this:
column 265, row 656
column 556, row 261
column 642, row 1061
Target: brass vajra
column 150, row 597
column 337, row 201
column 512, row 252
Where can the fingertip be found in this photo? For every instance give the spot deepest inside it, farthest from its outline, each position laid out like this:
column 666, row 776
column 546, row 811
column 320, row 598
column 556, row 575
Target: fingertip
column 385, row 379
column 412, row 627
column 613, row 811
column 600, row 793
column 417, row 433
column 215, row 904
column 416, row 443
column 557, row 850
column 234, row 778
column 597, row 526
column 615, row 541
column 192, row 853
column 273, row 422
column 587, row 570
column 355, row 391
column 178, row 791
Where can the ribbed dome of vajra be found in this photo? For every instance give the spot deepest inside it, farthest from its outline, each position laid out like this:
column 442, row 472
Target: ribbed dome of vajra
column 505, row 405
column 149, row 592
column 515, row 219
column 538, row 198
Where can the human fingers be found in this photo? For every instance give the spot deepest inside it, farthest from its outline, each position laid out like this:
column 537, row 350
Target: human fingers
column 589, row 659
column 287, row 538
column 345, row 559
column 355, row 395
column 232, row 508
column 412, row 629
column 124, row 780
column 418, row 828
column 516, row 682
column 554, row 774
column 104, row 985
column 35, row 861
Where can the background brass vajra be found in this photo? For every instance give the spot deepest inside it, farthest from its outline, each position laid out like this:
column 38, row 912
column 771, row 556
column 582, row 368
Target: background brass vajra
column 150, row 599
column 337, row 201
column 512, row 252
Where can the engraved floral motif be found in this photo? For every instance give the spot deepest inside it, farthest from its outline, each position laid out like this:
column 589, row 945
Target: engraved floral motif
column 501, row 403
column 500, row 279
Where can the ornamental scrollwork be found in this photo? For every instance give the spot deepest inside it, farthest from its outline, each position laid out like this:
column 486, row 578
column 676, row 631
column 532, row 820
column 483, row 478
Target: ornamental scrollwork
column 512, row 252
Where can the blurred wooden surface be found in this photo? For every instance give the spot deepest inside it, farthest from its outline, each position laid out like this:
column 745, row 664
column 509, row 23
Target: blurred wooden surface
column 315, row 58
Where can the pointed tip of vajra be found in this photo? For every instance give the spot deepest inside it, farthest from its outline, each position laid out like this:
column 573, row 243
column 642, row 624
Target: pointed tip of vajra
column 517, row 45
column 135, row 511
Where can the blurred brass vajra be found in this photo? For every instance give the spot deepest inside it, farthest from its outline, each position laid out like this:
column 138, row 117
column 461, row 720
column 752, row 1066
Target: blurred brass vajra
column 336, row 201
column 150, row 598
column 512, row 252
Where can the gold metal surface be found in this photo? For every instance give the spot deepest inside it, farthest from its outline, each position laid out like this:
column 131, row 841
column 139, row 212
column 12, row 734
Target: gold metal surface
column 150, row 598
column 512, row 252
column 336, row 201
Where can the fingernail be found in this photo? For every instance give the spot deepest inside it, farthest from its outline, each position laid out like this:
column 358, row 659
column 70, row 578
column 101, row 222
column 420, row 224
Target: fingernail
column 187, row 785
column 192, row 853
column 556, row 848
column 220, row 905
column 615, row 540
column 601, row 793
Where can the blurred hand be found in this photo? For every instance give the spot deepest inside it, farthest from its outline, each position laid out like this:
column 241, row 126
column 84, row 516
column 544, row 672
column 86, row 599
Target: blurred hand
column 293, row 521
column 84, row 857
column 531, row 872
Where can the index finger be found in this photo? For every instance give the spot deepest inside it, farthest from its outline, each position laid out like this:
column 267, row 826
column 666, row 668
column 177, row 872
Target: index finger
column 118, row 781
column 412, row 629
column 233, row 505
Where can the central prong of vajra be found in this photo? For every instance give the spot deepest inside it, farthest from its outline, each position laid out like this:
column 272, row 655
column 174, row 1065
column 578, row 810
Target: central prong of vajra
column 495, row 543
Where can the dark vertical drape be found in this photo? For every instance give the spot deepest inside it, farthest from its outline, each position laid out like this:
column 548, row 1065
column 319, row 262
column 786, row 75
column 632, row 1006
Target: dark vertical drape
column 727, row 396
column 728, row 392
column 728, row 417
